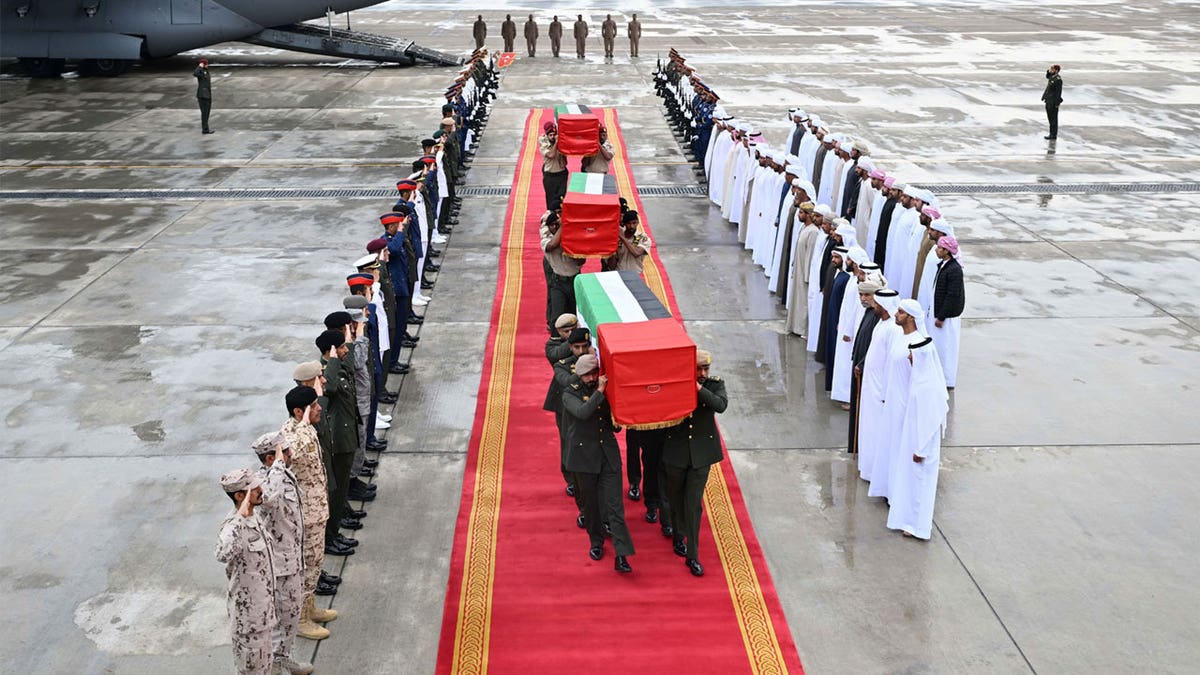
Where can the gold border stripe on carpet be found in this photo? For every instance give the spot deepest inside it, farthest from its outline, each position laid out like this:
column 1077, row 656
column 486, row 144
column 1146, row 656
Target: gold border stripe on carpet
column 754, row 619
column 473, row 630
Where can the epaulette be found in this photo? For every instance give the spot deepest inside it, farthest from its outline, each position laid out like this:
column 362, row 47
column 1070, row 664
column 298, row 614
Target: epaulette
column 715, row 378
column 563, row 362
column 574, row 385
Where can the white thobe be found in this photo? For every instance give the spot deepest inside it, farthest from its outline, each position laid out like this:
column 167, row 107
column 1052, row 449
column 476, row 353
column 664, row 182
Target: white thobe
column 708, row 152
column 862, row 212
column 815, row 299
column 757, row 198
column 840, row 188
column 385, row 335
column 764, row 239
column 736, row 183
column 808, row 151
column 890, row 449
column 797, row 297
column 843, row 366
column 914, row 484
column 871, row 423
column 714, row 165
column 828, row 168
column 896, row 237
column 909, row 246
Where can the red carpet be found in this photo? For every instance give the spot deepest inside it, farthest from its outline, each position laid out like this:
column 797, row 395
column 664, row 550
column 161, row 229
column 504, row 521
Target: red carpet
column 523, row 596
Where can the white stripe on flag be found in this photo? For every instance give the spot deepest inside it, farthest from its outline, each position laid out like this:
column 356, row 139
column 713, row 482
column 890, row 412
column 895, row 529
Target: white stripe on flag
column 595, row 183
column 622, row 300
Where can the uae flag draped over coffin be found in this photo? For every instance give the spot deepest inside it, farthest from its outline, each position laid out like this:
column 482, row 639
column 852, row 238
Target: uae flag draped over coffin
column 578, row 130
column 591, row 216
column 649, row 360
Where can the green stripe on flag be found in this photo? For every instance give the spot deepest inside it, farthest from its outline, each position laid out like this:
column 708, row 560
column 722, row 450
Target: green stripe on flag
column 593, row 302
column 577, row 182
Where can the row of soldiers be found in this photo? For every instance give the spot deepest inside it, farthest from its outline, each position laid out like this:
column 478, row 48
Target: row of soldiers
column 608, row 33
column 289, row 512
column 689, row 105
column 667, row 466
column 871, row 315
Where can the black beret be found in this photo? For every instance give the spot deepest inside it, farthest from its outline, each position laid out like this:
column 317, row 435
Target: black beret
column 336, row 320
column 300, row 397
column 428, row 142
column 579, row 335
column 629, row 216
column 330, row 338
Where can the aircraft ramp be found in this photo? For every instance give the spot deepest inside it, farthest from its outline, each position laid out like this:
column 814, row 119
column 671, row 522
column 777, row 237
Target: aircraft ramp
column 303, row 37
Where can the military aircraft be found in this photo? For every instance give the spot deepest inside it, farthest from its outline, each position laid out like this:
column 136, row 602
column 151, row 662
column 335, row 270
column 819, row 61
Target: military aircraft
column 107, row 36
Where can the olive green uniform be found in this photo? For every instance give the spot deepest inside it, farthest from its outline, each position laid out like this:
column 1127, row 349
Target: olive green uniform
column 689, row 451
column 341, row 419
column 595, row 458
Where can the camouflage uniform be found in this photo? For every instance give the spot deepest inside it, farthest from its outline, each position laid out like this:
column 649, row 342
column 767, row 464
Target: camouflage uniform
column 284, row 521
column 246, row 550
column 314, row 496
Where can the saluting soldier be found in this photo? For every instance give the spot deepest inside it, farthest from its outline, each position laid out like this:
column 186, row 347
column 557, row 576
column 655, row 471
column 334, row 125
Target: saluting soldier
column 689, row 451
column 342, row 421
column 203, row 94
column 555, row 33
column 581, row 33
column 608, row 31
column 508, row 31
column 303, row 413
column 284, row 520
column 595, row 458
column 245, row 548
column 531, row 35
column 479, row 30
column 1052, row 96
column 635, row 35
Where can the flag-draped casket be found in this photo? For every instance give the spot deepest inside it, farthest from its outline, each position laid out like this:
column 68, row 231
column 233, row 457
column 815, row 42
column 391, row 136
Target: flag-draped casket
column 649, row 360
column 591, row 216
column 578, row 130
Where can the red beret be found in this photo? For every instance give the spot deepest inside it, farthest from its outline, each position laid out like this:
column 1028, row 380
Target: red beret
column 547, row 126
column 376, row 245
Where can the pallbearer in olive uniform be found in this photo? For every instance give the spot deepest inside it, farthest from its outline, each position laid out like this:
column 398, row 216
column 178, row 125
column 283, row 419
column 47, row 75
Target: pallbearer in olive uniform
column 531, row 35
column 558, row 350
column 635, row 35
column 555, row 33
column 245, row 547
column 203, row 94
column 595, row 458
column 690, row 450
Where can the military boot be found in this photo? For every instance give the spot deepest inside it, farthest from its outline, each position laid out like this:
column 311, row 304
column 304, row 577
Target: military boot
column 307, row 628
column 296, row 667
column 320, row 615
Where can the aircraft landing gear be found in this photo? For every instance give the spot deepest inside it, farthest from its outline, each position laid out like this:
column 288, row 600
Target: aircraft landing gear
column 38, row 67
column 104, row 67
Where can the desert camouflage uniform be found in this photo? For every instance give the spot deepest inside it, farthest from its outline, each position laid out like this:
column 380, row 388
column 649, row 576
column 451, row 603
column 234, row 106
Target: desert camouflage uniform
column 245, row 548
column 314, row 496
column 281, row 513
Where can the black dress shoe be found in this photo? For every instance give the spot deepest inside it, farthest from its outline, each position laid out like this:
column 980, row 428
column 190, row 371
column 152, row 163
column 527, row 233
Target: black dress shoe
column 345, row 541
column 434, row 253
column 366, row 472
column 580, row 522
column 668, row 531
column 360, row 495
column 208, row 131
column 425, row 285
column 399, row 369
column 331, row 579
column 335, row 548
column 374, row 446
column 350, row 524
column 635, row 493
column 622, row 565
column 596, row 552
column 372, row 463
column 361, row 485
column 388, row 399
column 432, row 267
column 325, row 589
column 652, row 516
column 680, row 548
column 406, row 336
column 408, row 344
column 695, row 566
column 350, row 512
column 571, row 491
column 1049, row 138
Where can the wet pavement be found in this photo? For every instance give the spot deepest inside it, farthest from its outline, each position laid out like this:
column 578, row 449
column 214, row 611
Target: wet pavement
column 149, row 341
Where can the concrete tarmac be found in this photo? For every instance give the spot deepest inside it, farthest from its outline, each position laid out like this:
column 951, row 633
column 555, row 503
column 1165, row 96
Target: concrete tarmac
column 148, row 341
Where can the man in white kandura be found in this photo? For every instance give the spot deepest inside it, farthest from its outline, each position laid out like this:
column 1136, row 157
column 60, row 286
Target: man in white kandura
column 914, row 482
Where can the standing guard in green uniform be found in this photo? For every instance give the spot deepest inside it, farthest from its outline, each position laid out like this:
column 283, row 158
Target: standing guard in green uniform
column 690, row 450
column 203, row 94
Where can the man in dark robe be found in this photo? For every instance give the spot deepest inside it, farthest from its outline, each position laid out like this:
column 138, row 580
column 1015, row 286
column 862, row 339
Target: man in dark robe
column 885, row 223
column 831, row 313
column 862, row 341
column 828, row 272
column 794, row 146
column 853, row 182
column 819, row 161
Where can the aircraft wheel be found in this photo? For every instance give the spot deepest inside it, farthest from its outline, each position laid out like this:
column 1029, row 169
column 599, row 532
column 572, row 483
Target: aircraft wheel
column 37, row 67
column 104, row 67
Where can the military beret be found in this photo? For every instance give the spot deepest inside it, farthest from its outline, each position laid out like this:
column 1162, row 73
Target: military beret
column 376, row 245
column 336, row 320
column 425, row 142
column 703, row 358
column 406, row 184
column 307, row 371
column 565, row 320
column 360, row 280
column 300, row 396
column 579, row 335
column 402, row 207
column 586, row 364
column 354, row 302
column 329, row 339
column 239, row 480
column 417, row 165
column 438, row 134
